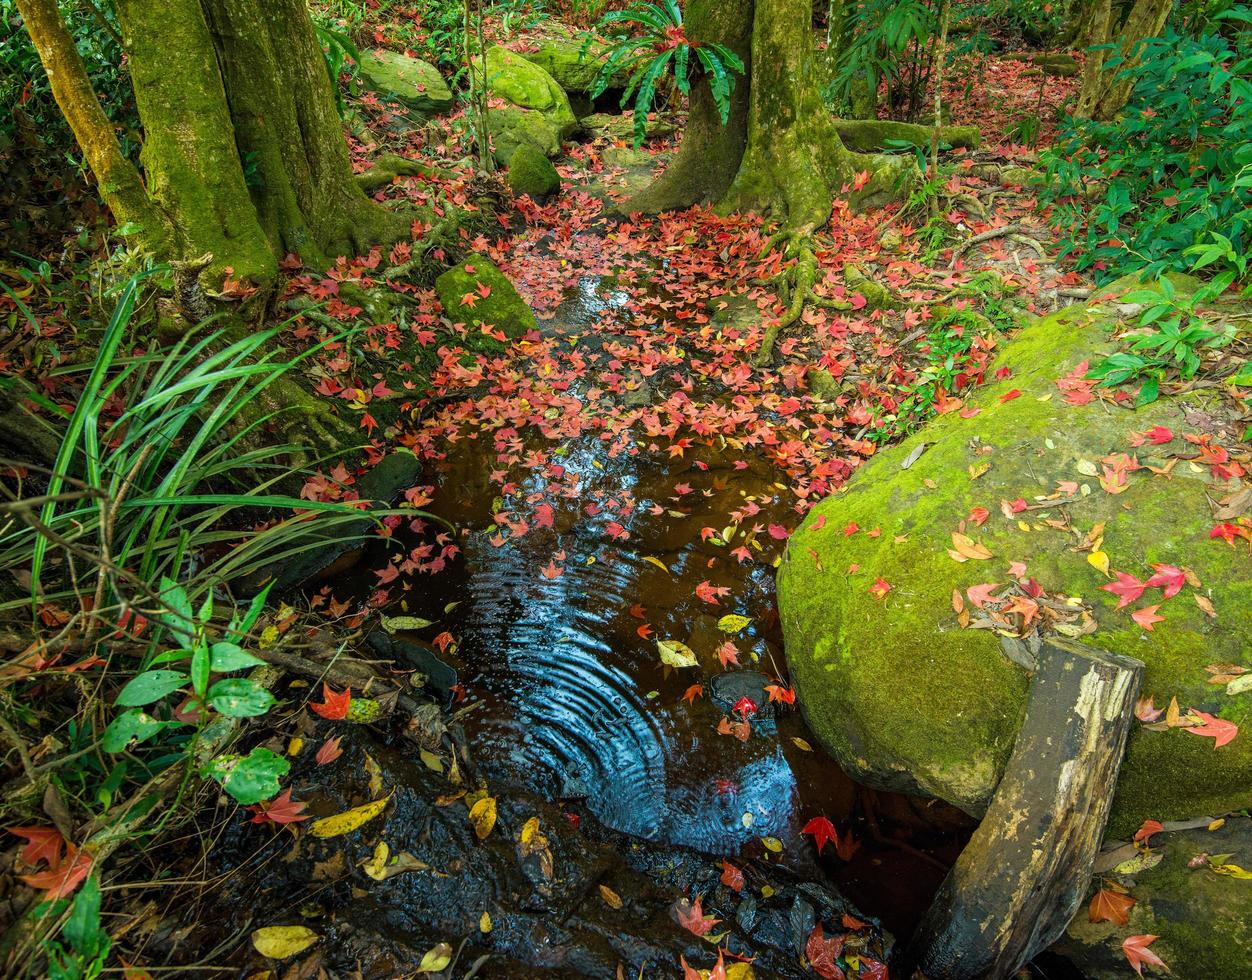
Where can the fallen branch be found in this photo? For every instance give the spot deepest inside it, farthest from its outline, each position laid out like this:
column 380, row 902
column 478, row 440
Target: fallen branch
column 986, row 236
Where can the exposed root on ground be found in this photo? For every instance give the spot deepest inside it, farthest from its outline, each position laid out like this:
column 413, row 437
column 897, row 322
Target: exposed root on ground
column 795, row 286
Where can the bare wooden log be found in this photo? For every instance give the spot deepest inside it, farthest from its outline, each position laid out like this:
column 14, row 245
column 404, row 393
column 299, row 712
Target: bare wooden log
column 1025, row 871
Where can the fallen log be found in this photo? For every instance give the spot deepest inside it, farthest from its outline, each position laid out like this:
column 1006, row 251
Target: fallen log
column 1025, row 871
column 876, row 135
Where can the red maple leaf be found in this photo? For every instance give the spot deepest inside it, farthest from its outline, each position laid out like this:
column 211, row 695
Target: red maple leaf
column 469, row 299
column 1169, row 578
column 692, row 918
column 281, row 809
column 1219, row 730
column 717, row 973
column 1110, row 906
column 783, row 695
column 740, row 729
column 63, row 878
column 847, row 846
column 708, row 592
column 43, row 844
column 822, row 830
column 732, row 877
column 728, row 653
column 1149, row 828
column 744, row 706
column 880, row 588
column 822, row 954
column 329, row 752
column 552, row 570
column 1137, row 953
column 333, row 706
column 1127, row 588
column 693, row 692
column 1146, row 616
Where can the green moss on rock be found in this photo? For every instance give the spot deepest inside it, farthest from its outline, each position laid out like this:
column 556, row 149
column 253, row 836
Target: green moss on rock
column 460, row 291
column 1203, row 919
column 875, row 135
column 530, row 172
column 527, row 86
column 511, row 127
column 409, row 80
column 906, row 699
column 572, row 63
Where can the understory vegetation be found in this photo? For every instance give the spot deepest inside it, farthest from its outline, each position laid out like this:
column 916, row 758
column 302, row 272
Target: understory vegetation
column 418, row 338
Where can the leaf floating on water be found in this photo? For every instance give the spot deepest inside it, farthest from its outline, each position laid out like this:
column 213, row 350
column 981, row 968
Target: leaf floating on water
column 651, row 560
column 733, row 623
column 376, row 865
column 772, row 844
column 349, row 820
column 436, row 960
column 611, row 898
column 393, row 624
column 484, row 923
column 801, row 744
column 675, row 654
column 281, row 942
column 483, row 816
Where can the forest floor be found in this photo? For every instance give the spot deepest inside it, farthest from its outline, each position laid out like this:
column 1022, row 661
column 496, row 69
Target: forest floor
column 620, row 476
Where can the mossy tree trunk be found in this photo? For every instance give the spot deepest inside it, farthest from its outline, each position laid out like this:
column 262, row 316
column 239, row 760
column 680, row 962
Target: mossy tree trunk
column 780, row 141
column 709, row 155
column 1103, row 94
column 244, row 155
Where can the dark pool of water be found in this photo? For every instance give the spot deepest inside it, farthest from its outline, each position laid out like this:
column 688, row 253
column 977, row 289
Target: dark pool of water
column 576, row 702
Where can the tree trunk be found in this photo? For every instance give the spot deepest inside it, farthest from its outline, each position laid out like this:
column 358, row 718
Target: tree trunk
column 1024, row 873
column 795, row 162
column 1103, row 94
column 709, row 156
column 116, row 177
column 244, row 157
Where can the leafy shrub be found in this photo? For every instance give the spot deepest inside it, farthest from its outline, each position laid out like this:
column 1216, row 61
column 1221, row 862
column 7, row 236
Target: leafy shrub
column 886, row 42
column 649, row 41
column 1174, row 168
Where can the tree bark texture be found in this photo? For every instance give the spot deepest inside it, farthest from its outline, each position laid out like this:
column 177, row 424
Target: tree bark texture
column 795, row 162
column 1103, row 94
column 243, row 155
column 1025, row 871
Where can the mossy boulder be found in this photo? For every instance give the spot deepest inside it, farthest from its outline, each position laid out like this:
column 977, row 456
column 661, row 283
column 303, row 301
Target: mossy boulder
column 620, row 126
column 905, row 698
column 1203, row 919
column 572, row 62
column 511, row 127
column 461, row 291
column 531, row 172
column 412, row 81
column 538, row 113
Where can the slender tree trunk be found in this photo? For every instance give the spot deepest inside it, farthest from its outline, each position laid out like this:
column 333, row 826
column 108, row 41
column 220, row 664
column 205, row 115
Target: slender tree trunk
column 116, row 177
column 1103, row 94
column 709, row 155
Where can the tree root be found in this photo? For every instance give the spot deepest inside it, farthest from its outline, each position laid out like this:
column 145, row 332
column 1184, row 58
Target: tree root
column 796, row 286
column 986, row 236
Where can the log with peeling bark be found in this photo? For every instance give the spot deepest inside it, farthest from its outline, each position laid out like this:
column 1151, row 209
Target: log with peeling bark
column 1025, row 871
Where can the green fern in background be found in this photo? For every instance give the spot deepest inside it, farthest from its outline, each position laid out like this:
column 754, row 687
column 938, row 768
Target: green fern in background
column 650, row 41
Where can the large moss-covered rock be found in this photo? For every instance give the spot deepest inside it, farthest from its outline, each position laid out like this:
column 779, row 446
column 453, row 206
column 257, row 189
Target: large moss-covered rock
column 1203, row 919
column 876, row 135
column 538, row 113
column 511, row 127
column 501, row 310
column 409, row 80
column 906, row 699
column 531, row 172
column 572, row 62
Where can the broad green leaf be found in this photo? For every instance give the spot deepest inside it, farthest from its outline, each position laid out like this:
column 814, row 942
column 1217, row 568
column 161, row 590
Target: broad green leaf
column 226, row 657
column 151, row 685
column 250, row 779
column 238, row 697
column 133, row 725
column 675, row 654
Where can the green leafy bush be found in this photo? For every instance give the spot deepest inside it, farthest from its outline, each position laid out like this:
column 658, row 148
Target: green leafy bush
column 649, row 41
column 1174, row 169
